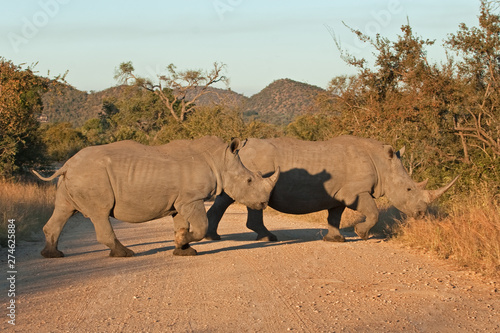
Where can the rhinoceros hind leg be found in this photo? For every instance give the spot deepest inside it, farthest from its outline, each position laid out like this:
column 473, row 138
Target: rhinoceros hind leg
column 48, row 252
column 212, row 236
column 62, row 212
column 334, row 238
column 106, row 235
column 121, row 251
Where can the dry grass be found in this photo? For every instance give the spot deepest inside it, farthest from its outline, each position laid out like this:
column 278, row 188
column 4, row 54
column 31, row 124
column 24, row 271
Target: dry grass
column 469, row 234
column 29, row 204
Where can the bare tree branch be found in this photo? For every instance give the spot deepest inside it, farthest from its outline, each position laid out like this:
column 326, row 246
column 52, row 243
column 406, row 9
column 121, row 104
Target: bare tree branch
column 173, row 88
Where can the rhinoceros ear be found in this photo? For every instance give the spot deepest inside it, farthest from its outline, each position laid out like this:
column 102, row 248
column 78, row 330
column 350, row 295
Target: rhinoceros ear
column 389, row 151
column 400, row 152
column 423, row 184
column 235, row 145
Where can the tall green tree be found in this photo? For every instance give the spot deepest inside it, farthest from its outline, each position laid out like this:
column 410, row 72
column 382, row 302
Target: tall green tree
column 20, row 103
column 62, row 141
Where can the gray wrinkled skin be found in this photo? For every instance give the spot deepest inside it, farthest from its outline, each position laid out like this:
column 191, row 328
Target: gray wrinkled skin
column 330, row 175
column 137, row 183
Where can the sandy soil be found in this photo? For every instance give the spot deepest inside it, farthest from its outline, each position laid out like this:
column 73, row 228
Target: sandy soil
column 299, row 284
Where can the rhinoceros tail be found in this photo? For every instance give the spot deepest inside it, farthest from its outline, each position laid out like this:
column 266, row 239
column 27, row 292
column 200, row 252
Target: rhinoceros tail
column 58, row 173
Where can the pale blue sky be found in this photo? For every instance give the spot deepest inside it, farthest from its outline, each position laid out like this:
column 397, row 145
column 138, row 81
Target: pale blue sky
column 259, row 41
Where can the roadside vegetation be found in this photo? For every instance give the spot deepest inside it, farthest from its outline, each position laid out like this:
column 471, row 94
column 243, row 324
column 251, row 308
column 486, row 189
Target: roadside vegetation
column 447, row 115
column 29, row 204
column 468, row 234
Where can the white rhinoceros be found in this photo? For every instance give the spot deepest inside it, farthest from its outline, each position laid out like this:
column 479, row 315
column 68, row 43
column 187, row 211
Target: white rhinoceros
column 137, row 183
column 331, row 175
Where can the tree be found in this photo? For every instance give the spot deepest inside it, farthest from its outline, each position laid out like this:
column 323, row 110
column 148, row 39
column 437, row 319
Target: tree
column 178, row 90
column 477, row 118
column 312, row 127
column 215, row 120
column 20, row 102
column 62, row 141
column 402, row 99
column 94, row 132
column 447, row 114
column 140, row 116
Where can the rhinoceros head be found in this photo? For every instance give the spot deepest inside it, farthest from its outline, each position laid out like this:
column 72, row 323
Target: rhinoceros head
column 406, row 195
column 244, row 186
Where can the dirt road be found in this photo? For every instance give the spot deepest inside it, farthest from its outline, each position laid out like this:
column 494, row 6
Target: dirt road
column 300, row 284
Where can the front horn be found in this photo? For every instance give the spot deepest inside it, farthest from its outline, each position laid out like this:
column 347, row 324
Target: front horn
column 274, row 177
column 434, row 194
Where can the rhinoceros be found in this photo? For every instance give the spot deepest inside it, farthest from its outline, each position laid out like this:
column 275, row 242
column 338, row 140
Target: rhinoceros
column 331, row 175
column 137, row 183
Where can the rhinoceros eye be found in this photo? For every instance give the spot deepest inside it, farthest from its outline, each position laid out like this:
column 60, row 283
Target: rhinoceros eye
column 408, row 189
column 249, row 180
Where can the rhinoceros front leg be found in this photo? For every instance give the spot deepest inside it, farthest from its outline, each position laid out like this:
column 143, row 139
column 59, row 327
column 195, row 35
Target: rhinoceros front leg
column 334, row 216
column 215, row 213
column 106, row 235
column 190, row 225
column 182, row 247
column 365, row 204
column 255, row 222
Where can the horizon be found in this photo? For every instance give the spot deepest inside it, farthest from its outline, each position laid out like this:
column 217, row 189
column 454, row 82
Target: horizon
column 260, row 42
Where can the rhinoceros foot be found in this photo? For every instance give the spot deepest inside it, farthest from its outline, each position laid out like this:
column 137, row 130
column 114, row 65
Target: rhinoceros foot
column 335, row 238
column 267, row 238
column 121, row 252
column 52, row 253
column 212, row 236
column 186, row 250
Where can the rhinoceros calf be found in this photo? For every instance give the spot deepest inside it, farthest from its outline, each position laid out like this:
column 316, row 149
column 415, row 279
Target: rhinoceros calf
column 137, row 183
column 329, row 175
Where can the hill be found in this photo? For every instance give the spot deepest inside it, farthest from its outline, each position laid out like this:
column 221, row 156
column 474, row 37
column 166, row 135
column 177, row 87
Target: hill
column 219, row 96
column 64, row 103
column 278, row 103
column 281, row 101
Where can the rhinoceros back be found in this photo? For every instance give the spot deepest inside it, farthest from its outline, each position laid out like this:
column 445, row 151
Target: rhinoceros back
column 143, row 182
